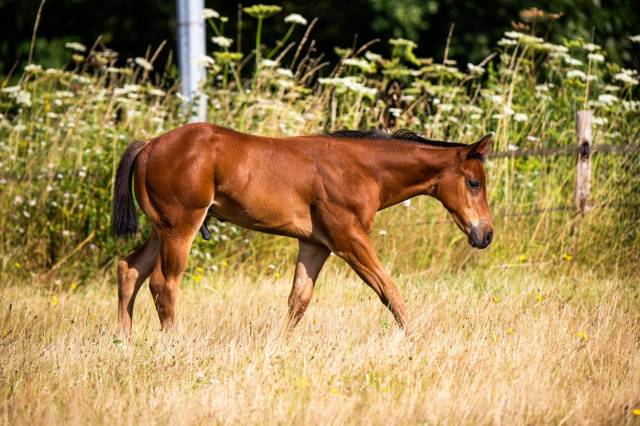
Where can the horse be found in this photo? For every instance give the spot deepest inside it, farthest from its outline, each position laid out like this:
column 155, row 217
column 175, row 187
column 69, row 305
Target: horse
column 323, row 190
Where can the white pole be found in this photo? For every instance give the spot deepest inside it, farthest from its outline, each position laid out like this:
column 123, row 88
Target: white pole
column 191, row 49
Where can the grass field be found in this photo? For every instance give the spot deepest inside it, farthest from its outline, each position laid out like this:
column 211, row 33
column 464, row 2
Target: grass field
column 541, row 328
column 502, row 346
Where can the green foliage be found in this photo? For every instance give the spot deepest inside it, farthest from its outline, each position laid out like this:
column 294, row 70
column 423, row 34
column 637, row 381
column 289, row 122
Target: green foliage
column 62, row 132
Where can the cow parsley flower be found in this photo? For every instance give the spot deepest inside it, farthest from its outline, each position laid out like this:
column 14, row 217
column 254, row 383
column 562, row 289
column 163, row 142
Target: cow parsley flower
column 520, row 117
column 590, row 47
column 627, row 77
column 475, row 69
column 608, row 99
column 144, row 64
column 78, row 47
column 209, row 13
column 295, row 18
column 222, row 41
column 10, row 89
column 572, row 61
column 576, row 74
column 596, row 57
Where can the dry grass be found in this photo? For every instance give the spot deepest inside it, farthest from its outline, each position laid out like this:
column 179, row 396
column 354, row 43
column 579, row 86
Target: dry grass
column 516, row 346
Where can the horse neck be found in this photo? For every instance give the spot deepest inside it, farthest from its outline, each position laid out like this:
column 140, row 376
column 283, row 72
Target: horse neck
column 411, row 170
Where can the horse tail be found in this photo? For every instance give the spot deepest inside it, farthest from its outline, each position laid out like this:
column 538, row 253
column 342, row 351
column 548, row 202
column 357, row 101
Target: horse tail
column 124, row 221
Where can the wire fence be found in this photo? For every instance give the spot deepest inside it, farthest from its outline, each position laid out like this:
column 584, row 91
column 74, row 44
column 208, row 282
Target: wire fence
column 568, row 150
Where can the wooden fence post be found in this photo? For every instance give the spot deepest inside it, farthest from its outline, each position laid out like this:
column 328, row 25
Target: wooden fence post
column 583, row 166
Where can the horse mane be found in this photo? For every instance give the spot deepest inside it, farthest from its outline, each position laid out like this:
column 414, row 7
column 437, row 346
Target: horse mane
column 400, row 134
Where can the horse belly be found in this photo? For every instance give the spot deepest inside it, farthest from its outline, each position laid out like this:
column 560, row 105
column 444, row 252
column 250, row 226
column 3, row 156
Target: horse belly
column 270, row 213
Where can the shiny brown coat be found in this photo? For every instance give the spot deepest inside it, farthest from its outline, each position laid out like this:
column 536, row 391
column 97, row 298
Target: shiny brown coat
column 322, row 190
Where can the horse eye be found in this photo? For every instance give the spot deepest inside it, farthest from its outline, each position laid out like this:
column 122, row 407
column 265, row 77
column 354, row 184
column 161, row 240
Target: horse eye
column 473, row 184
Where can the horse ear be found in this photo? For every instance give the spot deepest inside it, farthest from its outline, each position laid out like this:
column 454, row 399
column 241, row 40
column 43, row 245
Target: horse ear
column 480, row 149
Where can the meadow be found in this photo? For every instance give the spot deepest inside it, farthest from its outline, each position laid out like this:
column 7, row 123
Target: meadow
column 542, row 327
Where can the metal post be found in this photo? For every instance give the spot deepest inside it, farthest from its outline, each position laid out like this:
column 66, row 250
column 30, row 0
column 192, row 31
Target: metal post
column 191, row 49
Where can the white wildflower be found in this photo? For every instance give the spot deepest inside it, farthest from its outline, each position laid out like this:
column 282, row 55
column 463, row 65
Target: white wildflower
column 360, row 63
column 209, row 13
column 295, row 18
column 34, row 68
column 513, row 35
column 506, row 42
column 497, row 99
column 78, row 47
column 635, row 38
column 395, row 111
column 576, row 74
column 222, row 41
column 520, row 117
column 18, row 200
column 373, row 57
column 64, row 94
column 268, row 63
column 596, row 57
column 144, row 64
column 572, row 61
column 284, row 72
column 611, row 88
column 11, row 89
column 382, row 232
column 608, row 99
column 529, row 39
column 554, row 48
column 23, row 98
column 207, row 61
column 471, row 109
column 157, row 92
column 475, row 69
column 512, row 147
column 590, row 47
column 285, row 84
column 627, row 77
column 600, row 121
column 132, row 88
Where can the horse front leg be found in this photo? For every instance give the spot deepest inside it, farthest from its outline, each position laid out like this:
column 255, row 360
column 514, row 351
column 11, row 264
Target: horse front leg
column 354, row 246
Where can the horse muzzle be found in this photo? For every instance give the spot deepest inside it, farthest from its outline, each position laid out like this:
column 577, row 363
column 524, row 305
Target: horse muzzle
column 481, row 236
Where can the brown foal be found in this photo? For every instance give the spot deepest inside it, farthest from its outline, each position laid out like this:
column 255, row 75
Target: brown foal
column 322, row 190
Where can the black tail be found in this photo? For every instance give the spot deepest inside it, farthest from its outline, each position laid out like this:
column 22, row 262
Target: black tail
column 124, row 221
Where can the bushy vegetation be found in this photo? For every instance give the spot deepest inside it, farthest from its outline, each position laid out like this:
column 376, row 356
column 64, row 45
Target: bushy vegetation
column 62, row 132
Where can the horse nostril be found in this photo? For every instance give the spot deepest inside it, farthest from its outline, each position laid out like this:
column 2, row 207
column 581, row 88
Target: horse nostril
column 488, row 237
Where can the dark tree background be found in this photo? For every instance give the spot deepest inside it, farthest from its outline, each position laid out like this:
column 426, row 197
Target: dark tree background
column 132, row 26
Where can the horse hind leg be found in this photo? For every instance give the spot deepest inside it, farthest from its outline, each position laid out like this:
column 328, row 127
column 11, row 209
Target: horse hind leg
column 132, row 272
column 175, row 245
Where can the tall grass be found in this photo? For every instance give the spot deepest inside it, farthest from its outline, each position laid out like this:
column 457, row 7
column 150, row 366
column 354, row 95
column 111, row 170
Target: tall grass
column 491, row 347
column 62, row 132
